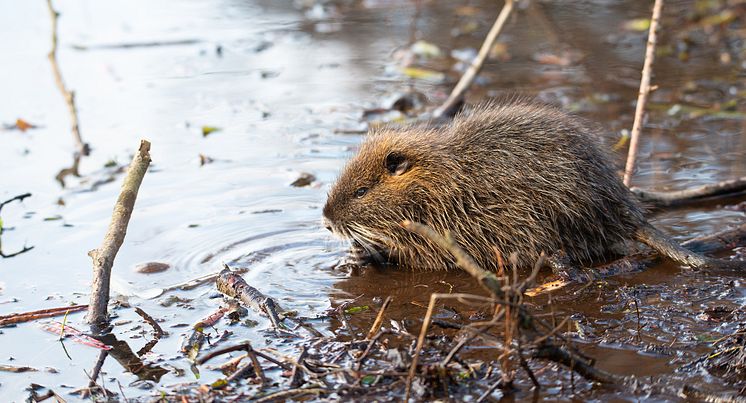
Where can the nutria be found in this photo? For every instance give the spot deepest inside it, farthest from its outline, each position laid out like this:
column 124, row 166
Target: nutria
column 514, row 178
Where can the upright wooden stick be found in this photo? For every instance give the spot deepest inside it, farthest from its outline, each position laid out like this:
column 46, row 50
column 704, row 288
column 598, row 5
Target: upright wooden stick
column 642, row 97
column 476, row 65
column 103, row 257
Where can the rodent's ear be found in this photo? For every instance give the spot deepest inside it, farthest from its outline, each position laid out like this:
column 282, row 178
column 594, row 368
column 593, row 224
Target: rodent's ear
column 397, row 163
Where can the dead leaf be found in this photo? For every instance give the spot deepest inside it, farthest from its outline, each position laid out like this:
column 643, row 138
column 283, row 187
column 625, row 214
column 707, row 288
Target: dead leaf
column 423, row 74
column 637, row 24
column 206, row 130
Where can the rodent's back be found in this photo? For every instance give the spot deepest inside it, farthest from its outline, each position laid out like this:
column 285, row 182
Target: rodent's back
column 543, row 181
column 517, row 178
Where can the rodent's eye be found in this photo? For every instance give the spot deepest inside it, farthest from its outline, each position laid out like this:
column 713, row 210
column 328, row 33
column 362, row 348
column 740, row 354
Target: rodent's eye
column 360, row 192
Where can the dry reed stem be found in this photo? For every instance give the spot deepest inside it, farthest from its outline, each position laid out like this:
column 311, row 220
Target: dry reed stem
column 642, row 98
column 103, row 257
column 426, row 325
column 476, row 65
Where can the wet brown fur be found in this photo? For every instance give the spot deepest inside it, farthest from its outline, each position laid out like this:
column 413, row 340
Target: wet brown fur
column 517, row 177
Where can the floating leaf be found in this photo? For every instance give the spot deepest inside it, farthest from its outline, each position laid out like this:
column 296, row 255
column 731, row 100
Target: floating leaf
column 423, row 74
column 426, row 49
column 368, row 380
column 638, row 24
column 357, row 309
column 499, row 51
column 220, row 383
column 723, row 17
column 206, row 130
column 23, row 125
column 622, row 140
column 53, row 218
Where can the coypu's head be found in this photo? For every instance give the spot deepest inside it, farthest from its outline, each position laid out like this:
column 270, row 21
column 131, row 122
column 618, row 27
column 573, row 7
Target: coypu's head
column 389, row 180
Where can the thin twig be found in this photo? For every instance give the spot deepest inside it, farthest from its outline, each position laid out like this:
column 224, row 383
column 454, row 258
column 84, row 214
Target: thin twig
column 296, row 377
column 44, row 313
column 103, row 257
column 476, row 65
column 642, row 98
column 420, row 342
column 152, row 322
column 82, row 147
column 379, row 318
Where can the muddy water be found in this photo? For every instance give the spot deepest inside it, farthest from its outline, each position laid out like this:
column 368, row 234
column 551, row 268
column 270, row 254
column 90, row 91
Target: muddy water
column 280, row 79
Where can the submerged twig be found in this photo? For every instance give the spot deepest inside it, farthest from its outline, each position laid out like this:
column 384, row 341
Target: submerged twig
column 103, row 257
column 688, row 196
column 718, row 242
column 642, row 98
column 82, row 147
column 476, row 65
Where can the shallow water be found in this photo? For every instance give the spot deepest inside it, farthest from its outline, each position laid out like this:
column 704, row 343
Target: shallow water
column 286, row 79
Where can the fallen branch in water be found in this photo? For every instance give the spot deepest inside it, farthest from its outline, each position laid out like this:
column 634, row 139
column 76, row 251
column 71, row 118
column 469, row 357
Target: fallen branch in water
column 718, row 190
column 517, row 316
column 103, row 257
column 714, row 243
column 235, row 286
column 44, row 313
column 448, row 107
column 642, row 98
column 82, row 147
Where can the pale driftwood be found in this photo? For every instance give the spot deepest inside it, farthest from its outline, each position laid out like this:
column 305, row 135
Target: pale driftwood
column 476, row 65
column 689, row 196
column 82, row 147
column 103, row 257
column 642, row 98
